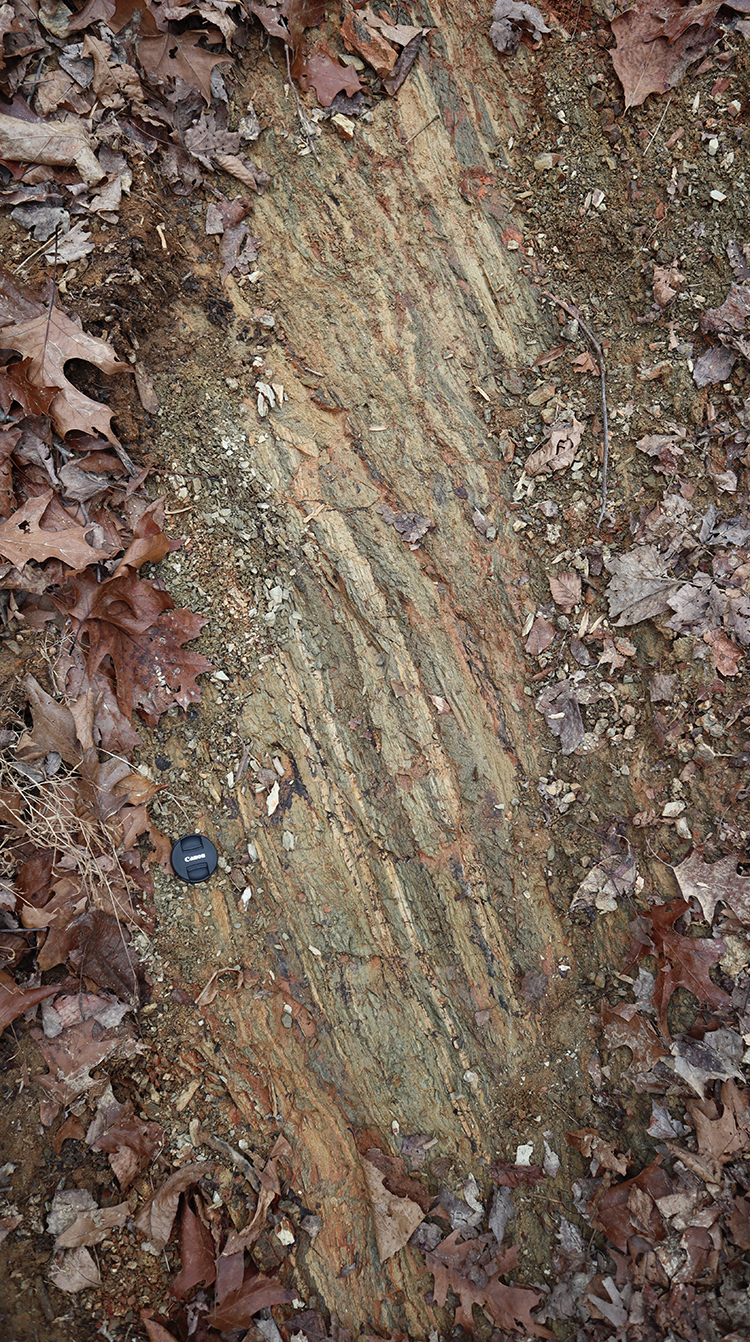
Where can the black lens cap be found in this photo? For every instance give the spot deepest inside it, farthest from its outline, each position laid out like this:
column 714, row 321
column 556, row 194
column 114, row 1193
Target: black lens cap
column 194, row 858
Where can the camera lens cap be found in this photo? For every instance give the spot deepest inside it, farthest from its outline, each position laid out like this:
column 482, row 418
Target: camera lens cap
column 194, row 858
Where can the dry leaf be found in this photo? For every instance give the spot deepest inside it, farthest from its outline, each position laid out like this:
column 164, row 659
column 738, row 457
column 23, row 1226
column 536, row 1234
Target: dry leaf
column 17, row 389
column 131, row 1143
column 613, row 878
column 592, row 1145
column 663, row 688
column 479, row 1284
column 77, row 1271
column 98, row 947
column 156, row 1333
column 610, row 656
column 559, row 452
column 715, row 365
column 91, row 1227
column 541, row 636
column 665, row 448
column 197, row 1251
column 511, row 19
column 640, row 587
column 328, row 78
column 237, row 165
column 173, row 56
column 297, row 15
column 22, row 537
column 732, row 314
column 59, row 144
column 238, row 1308
column 565, row 588
column 400, row 33
column 146, row 390
column 682, row 962
column 712, row 882
column 562, row 714
column 650, row 60
column 584, row 363
column 368, row 43
column 403, row 65
column 630, row 1208
column 394, row 1218
column 131, row 621
column 54, row 728
column 49, row 341
column 208, row 994
column 727, row 656
column 156, row 1219
column 73, row 1053
column 623, row 1027
column 410, row 526
column 667, row 281
column 14, row 1001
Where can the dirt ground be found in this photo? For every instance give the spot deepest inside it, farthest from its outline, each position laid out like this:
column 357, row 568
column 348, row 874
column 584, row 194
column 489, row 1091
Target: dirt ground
column 246, row 566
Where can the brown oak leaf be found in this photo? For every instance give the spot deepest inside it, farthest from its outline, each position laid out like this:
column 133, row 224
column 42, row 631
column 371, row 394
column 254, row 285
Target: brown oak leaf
column 9, row 437
column 172, row 56
column 508, row 1306
column 630, row 1208
column 682, row 962
column 152, row 669
column 328, row 78
column 624, row 1027
column 48, row 342
column 593, row 1146
column 22, row 537
column 712, row 882
column 17, row 389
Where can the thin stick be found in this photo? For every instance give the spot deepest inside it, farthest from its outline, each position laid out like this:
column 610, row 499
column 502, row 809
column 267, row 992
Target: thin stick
column 575, row 314
column 419, row 132
column 52, row 300
column 302, row 120
column 658, row 128
column 43, row 247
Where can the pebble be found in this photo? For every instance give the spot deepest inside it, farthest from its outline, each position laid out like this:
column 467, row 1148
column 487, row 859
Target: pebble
column 673, row 809
column 344, row 126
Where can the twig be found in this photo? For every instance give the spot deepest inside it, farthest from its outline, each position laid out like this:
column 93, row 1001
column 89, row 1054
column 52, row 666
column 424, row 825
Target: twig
column 42, row 247
column 240, row 1163
column 419, row 132
column 302, row 118
column 575, row 314
column 51, row 301
column 124, row 458
column 658, row 128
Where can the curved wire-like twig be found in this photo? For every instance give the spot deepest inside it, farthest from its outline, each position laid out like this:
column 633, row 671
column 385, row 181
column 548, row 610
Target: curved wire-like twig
column 575, row 314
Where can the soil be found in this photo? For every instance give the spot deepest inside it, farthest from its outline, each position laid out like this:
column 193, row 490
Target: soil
column 253, row 551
